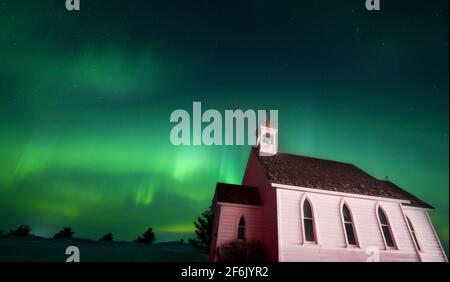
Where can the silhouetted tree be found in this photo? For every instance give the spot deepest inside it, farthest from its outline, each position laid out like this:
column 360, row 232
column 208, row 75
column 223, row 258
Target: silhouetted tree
column 107, row 237
column 23, row 230
column 181, row 241
column 203, row 227
column 1, row 233
column 147, row 238
column 65, row 233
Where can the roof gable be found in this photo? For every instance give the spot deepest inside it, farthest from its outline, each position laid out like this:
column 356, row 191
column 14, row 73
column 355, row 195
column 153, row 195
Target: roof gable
column 237, row 194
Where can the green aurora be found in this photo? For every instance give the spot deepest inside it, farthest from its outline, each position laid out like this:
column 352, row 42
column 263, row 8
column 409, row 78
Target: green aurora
column 85, row 100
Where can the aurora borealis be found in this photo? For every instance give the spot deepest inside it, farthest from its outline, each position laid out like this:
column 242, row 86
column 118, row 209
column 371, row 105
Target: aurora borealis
column 85, row 100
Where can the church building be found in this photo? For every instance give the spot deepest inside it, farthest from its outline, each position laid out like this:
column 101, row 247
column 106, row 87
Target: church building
column 308, row 209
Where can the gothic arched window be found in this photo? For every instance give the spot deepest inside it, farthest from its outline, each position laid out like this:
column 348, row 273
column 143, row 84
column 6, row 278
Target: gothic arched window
column 308, row 222
column 413, row 232
column 241, row 229
column 386, row 229
column 349, row 227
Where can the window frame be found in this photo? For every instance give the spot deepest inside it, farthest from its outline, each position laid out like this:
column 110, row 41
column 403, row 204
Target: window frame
column 244, row 227
column 302, row 219
column 413, row 233
column 389, row 227
column 355, row 234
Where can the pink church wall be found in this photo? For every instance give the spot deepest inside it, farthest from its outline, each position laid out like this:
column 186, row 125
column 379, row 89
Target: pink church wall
column 255, row 176
column 431, row 249
column 226, row 221
column 229, row 219
column 330, row 233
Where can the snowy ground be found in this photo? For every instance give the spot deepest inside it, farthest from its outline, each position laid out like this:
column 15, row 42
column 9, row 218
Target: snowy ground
column 34, row 248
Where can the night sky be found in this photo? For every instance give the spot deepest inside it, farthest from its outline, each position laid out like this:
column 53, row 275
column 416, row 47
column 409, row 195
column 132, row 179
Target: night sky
column 85, row 100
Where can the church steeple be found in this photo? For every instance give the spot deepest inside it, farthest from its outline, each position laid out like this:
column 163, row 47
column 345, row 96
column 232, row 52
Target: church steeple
column 267, row 139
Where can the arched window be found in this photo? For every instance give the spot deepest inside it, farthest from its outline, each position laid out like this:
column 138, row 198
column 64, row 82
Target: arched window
column 308, row 222
column 348, row 226
column 413, row 232
column 386, row 229
column 241, row 229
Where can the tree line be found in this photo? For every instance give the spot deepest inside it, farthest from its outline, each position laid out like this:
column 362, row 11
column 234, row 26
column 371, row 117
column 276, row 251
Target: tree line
column 148, row 237
column 203, row 229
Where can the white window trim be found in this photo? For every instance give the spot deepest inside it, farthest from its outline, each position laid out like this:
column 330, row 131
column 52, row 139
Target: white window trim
column 413, row 233
column 316, row 237
column 389, row 225
column 355, row 233
column 237, row 228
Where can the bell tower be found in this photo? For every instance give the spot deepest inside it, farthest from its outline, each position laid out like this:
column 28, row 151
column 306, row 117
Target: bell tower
column 267, row 139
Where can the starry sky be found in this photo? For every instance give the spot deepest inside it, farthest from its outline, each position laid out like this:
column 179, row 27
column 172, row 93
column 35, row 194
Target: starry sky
column 85, row 101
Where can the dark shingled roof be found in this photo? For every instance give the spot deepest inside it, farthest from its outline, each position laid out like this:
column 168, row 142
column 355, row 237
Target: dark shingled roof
column 330, row 175
column 238, row 194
